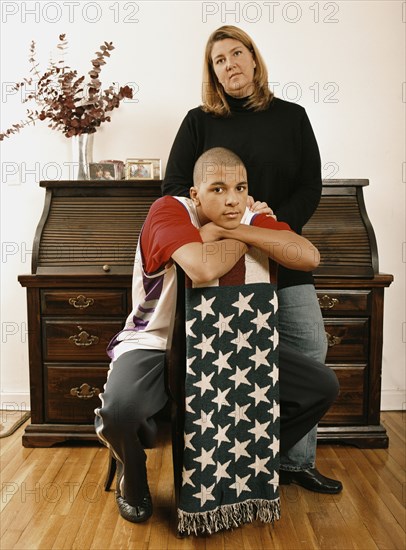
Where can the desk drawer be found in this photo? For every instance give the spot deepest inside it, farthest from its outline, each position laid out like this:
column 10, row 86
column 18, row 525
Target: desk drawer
column 72, row 392
column 84, row 302
column 349, row 407
column 78, row 340
column 334, row 302
column 347, row 339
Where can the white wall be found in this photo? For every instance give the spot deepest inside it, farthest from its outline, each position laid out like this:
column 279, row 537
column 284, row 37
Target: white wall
column 342, row 60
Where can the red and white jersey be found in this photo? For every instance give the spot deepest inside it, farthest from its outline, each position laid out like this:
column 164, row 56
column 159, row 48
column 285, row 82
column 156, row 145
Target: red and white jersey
column 171, row 223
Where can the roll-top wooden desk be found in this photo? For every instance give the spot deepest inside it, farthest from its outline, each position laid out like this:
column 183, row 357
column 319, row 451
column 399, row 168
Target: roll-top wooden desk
column 79, row 295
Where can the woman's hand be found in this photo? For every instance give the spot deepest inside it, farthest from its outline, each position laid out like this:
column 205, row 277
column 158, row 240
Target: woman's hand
column 259, row 207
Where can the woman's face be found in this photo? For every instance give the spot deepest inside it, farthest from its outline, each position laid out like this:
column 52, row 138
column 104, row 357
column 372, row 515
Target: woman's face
column 234, row 66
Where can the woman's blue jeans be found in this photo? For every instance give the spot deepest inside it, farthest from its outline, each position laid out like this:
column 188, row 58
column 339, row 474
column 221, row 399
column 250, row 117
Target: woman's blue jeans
column 301, row 327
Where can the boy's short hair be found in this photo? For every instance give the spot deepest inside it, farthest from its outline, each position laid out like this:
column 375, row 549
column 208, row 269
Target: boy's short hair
column 212, row 159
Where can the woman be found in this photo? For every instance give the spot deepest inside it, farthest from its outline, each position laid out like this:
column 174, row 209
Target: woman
column 275, row 140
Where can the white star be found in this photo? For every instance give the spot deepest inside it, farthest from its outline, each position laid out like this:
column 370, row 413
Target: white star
column 239, row 413
column 240, row 484
column 275, row 446
column 206, row 458
column 222, row 471
column 260, row 430
column 188, row 441
column 221, row 362
column 259, row 394
column 189, row 362
column 261, row 320
column 240, row 376
column 205, row 345
column 204, row 383
column 274, row 480
column 275, row 339
column 221, row 398
column 275, row 409
column 241, row 340
column 243, row 303
column 221, row 435
column 205, row 421
column 259, row 357
column 223, row 324
column 239, row 449
column 189, row 324
column 187, row 403
column 274, row 302
column 259, row 465
column 205, row 307
column 186, row 475
column 205, row 494
column 274, row 374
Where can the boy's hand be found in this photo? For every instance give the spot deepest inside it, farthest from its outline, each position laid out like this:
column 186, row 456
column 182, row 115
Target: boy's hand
column 210, row 232
column 259, row 207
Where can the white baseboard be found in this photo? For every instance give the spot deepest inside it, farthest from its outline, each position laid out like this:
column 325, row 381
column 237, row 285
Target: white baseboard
column 393, row 400
column 15, row 401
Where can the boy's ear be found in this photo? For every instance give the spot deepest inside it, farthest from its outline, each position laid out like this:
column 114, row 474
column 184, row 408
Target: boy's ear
column 194, row 195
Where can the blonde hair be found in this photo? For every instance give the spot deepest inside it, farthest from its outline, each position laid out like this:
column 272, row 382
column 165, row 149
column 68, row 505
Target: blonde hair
column 213, row 96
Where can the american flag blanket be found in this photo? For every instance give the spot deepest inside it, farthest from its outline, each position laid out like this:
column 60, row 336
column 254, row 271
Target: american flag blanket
column 231, row 454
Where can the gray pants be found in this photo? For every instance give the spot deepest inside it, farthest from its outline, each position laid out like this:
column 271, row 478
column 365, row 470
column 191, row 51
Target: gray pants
column 301, row 328
column 135, row 391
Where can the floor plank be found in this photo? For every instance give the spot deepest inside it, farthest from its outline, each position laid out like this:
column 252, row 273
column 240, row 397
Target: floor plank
column 54, row 498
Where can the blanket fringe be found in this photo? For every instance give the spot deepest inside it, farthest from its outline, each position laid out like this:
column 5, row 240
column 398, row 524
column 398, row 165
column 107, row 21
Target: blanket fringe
column 228, row 516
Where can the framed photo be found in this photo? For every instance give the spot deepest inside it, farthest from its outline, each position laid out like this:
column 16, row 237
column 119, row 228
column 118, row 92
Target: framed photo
column 142, row 169
column 103, row 171
column 118, row 167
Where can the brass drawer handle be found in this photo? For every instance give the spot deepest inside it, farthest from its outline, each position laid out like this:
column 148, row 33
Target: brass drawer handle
column 326, row 302
column 81, row 302
column 332, row 340
column 85, row 391
column 83, row 339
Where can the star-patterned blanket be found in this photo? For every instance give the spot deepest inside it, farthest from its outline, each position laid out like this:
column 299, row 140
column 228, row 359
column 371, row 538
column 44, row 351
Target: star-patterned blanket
column 231, row 455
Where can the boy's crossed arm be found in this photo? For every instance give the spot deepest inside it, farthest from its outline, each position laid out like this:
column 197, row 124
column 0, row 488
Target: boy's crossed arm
column 204, row 262
column 283, row 246
column 222, row 248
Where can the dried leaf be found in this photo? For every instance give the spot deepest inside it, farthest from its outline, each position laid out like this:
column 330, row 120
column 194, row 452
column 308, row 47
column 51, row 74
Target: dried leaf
column 71, row 107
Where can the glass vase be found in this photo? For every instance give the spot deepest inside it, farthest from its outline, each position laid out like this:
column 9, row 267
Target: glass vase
column 82, row 154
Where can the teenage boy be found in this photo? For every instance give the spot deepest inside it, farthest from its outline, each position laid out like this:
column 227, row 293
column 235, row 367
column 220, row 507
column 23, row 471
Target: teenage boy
column 206, row 235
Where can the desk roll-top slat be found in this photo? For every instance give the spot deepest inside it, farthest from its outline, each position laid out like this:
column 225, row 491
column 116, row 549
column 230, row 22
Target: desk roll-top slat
column 341, row 230
column 115, row 226
column 95, row 228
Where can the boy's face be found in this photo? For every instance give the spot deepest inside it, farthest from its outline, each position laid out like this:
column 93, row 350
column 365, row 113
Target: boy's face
column 221, row 195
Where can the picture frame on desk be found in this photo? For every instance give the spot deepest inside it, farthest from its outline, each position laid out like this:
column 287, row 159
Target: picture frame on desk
column 118, row 167
column 104, row 171
column 143, row 169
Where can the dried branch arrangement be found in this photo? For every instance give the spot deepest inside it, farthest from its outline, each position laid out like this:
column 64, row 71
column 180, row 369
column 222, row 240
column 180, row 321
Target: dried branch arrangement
column 71, row 105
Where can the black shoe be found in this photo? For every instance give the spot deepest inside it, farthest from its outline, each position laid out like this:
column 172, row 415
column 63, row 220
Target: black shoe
column 312, row 480
column 135, row 514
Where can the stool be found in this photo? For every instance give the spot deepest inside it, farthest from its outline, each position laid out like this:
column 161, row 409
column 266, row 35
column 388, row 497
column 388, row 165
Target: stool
column 112, row 467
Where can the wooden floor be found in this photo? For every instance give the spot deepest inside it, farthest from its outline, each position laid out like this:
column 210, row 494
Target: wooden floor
column 54, row 498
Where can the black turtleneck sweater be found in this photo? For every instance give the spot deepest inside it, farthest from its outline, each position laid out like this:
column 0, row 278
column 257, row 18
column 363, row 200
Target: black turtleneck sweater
column 280, row 153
